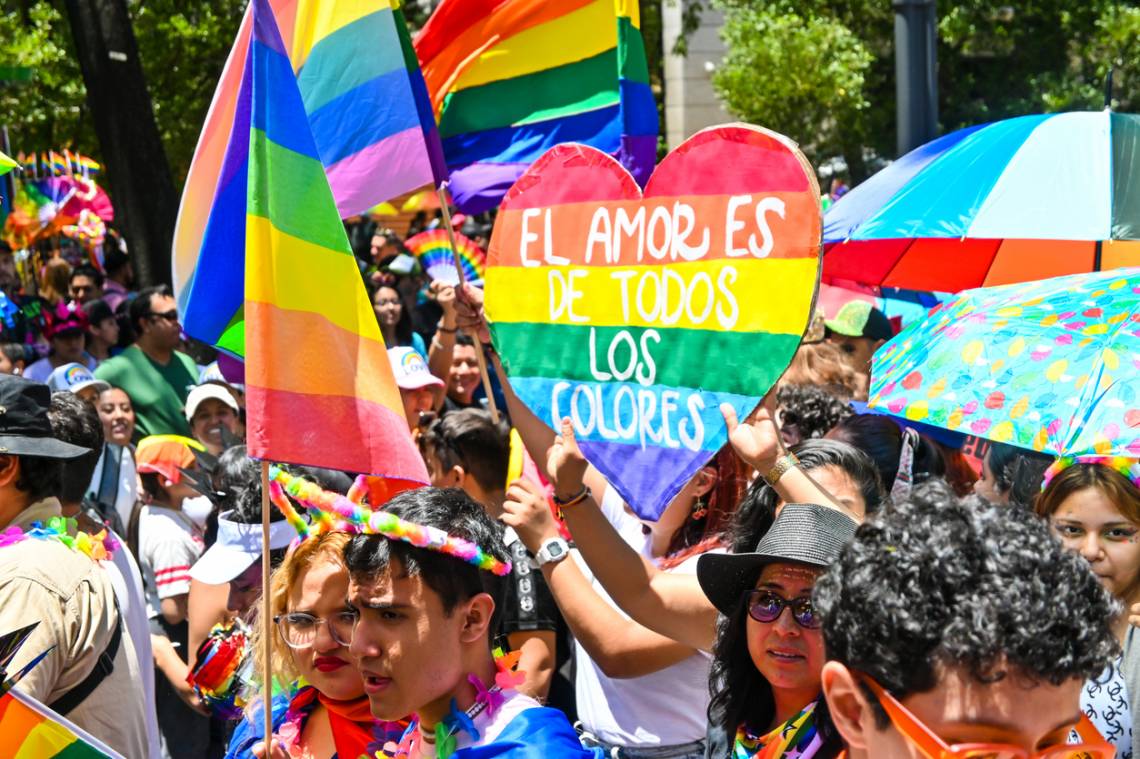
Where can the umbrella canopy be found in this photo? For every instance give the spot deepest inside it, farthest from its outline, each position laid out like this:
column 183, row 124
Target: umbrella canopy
column 1052, row 365
column 424, row 200
column 1012, row 201
column 383, row 209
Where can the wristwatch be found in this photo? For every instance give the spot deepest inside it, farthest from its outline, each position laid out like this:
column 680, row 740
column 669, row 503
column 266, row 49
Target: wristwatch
column 552, row 551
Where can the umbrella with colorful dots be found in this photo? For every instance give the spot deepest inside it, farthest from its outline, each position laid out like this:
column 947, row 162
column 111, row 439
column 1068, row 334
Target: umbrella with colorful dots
column 1052, row 365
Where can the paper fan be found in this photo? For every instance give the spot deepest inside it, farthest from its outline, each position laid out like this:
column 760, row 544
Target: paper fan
column 433, row 251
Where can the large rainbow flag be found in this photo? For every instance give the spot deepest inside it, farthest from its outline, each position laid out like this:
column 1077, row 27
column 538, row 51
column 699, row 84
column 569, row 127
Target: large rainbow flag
column 510, row 79
column 29, row 730
column 371, row 119
column 319, row 388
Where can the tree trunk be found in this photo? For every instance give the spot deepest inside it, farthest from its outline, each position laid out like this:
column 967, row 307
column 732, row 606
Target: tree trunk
column 146, row 202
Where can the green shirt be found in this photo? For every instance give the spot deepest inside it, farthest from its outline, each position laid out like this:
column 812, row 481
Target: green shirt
column 158, row 392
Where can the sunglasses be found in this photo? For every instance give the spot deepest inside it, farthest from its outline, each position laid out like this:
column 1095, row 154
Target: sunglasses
column 766, row 606
column 170, row 316
column 933, row 747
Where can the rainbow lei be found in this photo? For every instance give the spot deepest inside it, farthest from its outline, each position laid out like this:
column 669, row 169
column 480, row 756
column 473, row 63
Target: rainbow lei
column 1129, row 467
column 221, row 676
column 331, row 511
column 65, row 530
column 797, row 737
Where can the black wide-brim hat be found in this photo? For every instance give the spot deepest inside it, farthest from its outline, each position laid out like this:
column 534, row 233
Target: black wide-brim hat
column 25, row 429
column 803, row 533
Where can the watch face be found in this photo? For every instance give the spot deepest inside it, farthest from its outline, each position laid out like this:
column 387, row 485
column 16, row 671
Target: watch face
column 554, row 550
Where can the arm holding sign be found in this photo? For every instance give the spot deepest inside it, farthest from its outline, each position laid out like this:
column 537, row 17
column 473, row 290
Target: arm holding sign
column 621, row 647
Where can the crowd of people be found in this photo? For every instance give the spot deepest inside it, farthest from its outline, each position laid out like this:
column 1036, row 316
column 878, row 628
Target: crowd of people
column 832, row 580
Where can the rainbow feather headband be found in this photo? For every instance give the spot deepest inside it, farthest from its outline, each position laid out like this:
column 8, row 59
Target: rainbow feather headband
column 1129, row 467
column 334, row 512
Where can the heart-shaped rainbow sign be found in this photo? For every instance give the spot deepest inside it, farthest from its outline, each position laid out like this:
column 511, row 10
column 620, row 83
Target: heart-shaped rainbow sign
column 637, row 315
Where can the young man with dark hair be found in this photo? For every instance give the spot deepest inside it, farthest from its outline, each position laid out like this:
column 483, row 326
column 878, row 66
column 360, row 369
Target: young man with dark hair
column 91, row 666
column 75, row 421
column 120, row 276
column 465, row 449
column 153, row 373
column 956, row 622
column 85, row 284
column 422, row 639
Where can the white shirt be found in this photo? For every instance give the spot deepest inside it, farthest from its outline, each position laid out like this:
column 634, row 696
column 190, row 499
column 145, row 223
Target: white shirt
column 663, row 708
column 169, row 544
column 1105, row 700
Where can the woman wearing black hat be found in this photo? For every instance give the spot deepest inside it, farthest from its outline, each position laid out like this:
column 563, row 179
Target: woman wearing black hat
column 769, row 649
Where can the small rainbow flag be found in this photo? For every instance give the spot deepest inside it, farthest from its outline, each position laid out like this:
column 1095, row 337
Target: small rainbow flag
column 510, row 79
column 367, row 108
column 433, row 250
column 29, row 730
column 319, row 387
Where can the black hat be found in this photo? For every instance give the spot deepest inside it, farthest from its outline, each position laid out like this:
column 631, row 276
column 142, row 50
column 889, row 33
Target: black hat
column 24, row 426
column 805, row 533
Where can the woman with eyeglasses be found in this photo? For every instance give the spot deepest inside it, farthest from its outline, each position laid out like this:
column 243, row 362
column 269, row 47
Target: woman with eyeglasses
column 328, row 715
column 769, row 654
column 1093, row 505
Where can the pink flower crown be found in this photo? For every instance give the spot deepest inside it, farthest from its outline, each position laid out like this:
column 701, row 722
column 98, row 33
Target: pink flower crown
column 330, row 512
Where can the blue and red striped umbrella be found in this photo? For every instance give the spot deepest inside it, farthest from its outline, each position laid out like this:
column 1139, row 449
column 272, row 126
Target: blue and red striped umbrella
column 1012, row 201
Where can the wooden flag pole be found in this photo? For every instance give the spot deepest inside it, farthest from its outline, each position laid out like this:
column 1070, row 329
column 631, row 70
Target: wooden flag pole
column 266, row 611
column 479, row 356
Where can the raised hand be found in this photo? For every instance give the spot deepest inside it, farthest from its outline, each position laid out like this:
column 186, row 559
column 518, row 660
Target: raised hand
column 757, row 440
column 527, row 511
column 565, row 464
column 469, row 312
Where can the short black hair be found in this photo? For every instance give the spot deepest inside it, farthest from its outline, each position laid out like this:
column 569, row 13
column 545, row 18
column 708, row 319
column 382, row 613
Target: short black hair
column 450, row 510
column 1018, row 472
column 462, row 338
column 89, row 271
column 114, row 260
column 15, row 352
column 77, row 422
column 812, row 409
column 97, row 312
column 882, row 439
column 139, row 308
column 935, row 581
column 471, row 439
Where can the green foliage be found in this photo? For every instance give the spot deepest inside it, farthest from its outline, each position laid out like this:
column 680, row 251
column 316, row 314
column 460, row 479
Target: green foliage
column 799, row 74
column 183, row 47
column 823, row 70
column 48, row 111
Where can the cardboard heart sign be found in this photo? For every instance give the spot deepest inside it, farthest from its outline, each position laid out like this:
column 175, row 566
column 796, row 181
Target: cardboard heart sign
column 637, row 314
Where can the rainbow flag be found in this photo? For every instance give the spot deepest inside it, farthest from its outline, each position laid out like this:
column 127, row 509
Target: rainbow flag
column 511, row 78
column 319, row 387
column 29, row 730
column 368, row 110
column 58, row 162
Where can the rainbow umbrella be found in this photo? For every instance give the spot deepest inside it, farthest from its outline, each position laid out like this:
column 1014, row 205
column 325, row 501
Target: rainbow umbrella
column 433, row 251
column 1052, row 365
column 1012, row 201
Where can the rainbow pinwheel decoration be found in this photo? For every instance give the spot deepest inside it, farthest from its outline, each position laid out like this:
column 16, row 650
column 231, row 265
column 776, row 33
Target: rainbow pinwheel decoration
column 1052, row 365
column 433, row 251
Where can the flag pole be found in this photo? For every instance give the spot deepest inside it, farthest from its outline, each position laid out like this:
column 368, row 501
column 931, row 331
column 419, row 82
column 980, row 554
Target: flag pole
column 479, row 356
column 266, row 612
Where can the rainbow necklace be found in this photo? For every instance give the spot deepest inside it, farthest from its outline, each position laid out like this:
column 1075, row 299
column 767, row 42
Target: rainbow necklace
column 100, row 547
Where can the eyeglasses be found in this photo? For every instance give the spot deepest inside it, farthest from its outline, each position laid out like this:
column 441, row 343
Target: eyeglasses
column 170, row 316
column 299, row 630
column 930, row 744
column 766, row 606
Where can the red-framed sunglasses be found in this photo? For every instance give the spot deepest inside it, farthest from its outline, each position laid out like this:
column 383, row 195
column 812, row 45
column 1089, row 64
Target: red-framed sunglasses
column 1093, row 746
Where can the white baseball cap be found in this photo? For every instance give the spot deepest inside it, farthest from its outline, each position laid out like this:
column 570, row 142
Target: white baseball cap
column 206, row 392
column 411, row 370
column 75, row 377
column 237, row 548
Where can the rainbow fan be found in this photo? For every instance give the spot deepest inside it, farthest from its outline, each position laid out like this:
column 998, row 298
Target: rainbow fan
column 433, row 250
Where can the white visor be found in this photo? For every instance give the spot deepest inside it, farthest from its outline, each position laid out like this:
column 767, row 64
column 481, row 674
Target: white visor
column 237, row 548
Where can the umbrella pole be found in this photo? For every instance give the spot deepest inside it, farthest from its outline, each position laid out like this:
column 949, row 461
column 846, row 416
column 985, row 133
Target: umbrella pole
column 1097, row 256
column 266, row 611
column 479, row 356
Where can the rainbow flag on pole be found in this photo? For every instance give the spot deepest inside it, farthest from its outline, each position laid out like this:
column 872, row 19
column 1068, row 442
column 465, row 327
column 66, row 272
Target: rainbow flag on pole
column 368, row 110
column 510, row 79
column 319, row 387
column 29, row 730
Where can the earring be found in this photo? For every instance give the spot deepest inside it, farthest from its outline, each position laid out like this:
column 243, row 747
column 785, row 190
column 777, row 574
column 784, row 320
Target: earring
column 700, row 509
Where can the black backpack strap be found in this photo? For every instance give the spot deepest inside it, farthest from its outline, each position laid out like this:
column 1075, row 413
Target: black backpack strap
column 104, row 666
